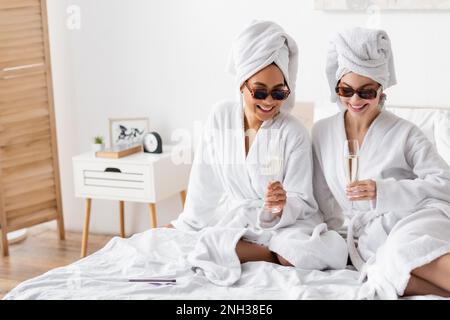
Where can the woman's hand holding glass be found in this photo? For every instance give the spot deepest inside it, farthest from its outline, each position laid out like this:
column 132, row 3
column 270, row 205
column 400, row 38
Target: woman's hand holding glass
column 275, row 198
column 275, row 195
column 362, row 190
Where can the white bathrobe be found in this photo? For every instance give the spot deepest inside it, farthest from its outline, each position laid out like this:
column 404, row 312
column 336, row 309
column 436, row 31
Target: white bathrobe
column 409, row 223
column 221, row 167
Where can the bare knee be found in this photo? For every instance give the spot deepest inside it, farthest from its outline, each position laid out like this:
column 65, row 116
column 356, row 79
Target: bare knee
column 419, row 286
column 436, row 272
column 283, row 261
column 445, row 284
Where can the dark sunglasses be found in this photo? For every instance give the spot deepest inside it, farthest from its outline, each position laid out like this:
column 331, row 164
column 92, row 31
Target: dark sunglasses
column 366, row 94
column 262, row 94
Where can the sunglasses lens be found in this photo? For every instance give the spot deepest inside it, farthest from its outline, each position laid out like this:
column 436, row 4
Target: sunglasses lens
column 367, row 94
column 345, row 92
column 260, row 94
column 280, row 94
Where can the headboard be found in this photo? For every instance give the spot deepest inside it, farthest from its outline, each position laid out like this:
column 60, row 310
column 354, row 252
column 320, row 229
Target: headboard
column 304, row 112
column 434, row 122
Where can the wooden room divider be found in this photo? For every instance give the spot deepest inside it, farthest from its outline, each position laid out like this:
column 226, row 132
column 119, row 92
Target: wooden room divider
column 29, row 171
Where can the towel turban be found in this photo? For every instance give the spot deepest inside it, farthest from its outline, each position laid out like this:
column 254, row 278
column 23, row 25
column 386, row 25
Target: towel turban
column 260, row 44
column 366, row 52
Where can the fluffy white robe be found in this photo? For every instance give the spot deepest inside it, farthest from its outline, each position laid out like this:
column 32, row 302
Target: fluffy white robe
column 221, row 167
column 408, row 225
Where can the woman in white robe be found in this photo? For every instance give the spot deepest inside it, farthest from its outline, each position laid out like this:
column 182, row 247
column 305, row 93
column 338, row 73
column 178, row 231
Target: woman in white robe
column 239, row 140
column 399, row 227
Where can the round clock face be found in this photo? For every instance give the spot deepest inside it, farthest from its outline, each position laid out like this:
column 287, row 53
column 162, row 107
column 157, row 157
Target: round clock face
column 150, row 142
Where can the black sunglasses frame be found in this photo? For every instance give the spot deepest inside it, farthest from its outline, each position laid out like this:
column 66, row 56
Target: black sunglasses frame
column 265, row 93
column 366, row 94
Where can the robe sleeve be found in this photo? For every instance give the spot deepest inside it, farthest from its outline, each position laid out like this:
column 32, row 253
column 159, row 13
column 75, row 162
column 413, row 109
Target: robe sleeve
column 432, row 180
column 328, row 206
column 297, row 182
column 205, row 188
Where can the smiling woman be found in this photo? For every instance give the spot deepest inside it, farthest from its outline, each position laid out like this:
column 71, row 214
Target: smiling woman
column 268, row 217
column 363, row 104
column 399, row 210
column 264, row 96
column 260, row 104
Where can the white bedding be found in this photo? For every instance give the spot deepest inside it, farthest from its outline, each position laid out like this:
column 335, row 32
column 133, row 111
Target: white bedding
column 161, row 253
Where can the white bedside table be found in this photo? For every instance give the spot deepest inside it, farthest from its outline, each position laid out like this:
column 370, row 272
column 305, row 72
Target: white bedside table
column 140, row 177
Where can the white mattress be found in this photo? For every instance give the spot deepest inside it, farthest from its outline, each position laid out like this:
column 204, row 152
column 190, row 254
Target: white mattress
column 160, row 253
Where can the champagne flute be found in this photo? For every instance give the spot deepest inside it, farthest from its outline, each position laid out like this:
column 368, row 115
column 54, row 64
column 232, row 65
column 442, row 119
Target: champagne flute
column 351, row 161
column 273, row 167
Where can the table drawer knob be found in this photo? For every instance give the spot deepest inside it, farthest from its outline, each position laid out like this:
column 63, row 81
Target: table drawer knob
column 112, row 170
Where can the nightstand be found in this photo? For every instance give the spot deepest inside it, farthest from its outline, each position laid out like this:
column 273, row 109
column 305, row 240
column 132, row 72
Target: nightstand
column 141, row 177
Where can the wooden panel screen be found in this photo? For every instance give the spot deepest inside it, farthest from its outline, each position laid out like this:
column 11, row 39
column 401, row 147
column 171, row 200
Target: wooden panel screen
column 29, row 171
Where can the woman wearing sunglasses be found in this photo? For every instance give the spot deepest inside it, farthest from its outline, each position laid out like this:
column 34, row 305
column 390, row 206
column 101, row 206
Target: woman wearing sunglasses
column 398, row 209
column 239, row 140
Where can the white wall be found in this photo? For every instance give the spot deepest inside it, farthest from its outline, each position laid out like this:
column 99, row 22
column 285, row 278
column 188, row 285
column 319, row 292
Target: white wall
column 166, row 60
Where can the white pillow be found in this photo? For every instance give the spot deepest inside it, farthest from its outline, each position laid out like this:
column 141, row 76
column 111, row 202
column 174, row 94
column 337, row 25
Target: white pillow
column 442, row 135
column 421, row 117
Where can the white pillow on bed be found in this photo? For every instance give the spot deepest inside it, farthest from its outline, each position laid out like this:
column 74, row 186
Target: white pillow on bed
column 442, row 135
column 423, row 118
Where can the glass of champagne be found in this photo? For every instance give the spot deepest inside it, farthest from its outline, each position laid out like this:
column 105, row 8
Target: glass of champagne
column 273, row 167
column 351, row 161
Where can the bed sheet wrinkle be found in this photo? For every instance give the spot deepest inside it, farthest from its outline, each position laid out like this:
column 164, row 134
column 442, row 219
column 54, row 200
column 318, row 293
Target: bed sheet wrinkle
column 162, row 253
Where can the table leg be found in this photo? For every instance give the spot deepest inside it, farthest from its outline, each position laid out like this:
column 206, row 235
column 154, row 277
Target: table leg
column 5, row 247
column 153, row 214
column 183, row 197
column 87, row 217
column 122, row 219
column 60, row 221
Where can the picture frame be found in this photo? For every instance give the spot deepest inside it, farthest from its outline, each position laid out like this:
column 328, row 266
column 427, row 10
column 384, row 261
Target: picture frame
column 362, row 5
column 127, row 131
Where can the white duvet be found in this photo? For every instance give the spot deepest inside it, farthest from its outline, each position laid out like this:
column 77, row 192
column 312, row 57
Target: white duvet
column 162, row 253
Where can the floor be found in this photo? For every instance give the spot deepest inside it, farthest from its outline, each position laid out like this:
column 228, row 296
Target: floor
column 40, row 252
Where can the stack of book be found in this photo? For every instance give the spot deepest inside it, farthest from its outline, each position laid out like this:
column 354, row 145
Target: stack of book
column 119, row 151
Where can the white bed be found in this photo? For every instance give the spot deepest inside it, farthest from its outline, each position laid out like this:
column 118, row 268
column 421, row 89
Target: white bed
column 161, row 253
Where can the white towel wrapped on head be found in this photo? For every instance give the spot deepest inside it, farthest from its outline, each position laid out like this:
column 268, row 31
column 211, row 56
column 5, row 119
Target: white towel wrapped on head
column 366, row 52
column 260, row 44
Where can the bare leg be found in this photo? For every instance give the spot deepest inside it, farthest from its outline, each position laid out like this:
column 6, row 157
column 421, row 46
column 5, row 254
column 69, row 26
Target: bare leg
column 247, row 252
column 418, row 286
column 436, row 272
column 283, row 261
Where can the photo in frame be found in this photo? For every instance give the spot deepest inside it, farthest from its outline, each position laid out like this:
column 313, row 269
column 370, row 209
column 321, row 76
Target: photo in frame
column 127, row 131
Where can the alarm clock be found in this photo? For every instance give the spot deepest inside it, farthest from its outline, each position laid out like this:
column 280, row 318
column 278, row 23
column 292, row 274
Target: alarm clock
column 152, row 142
